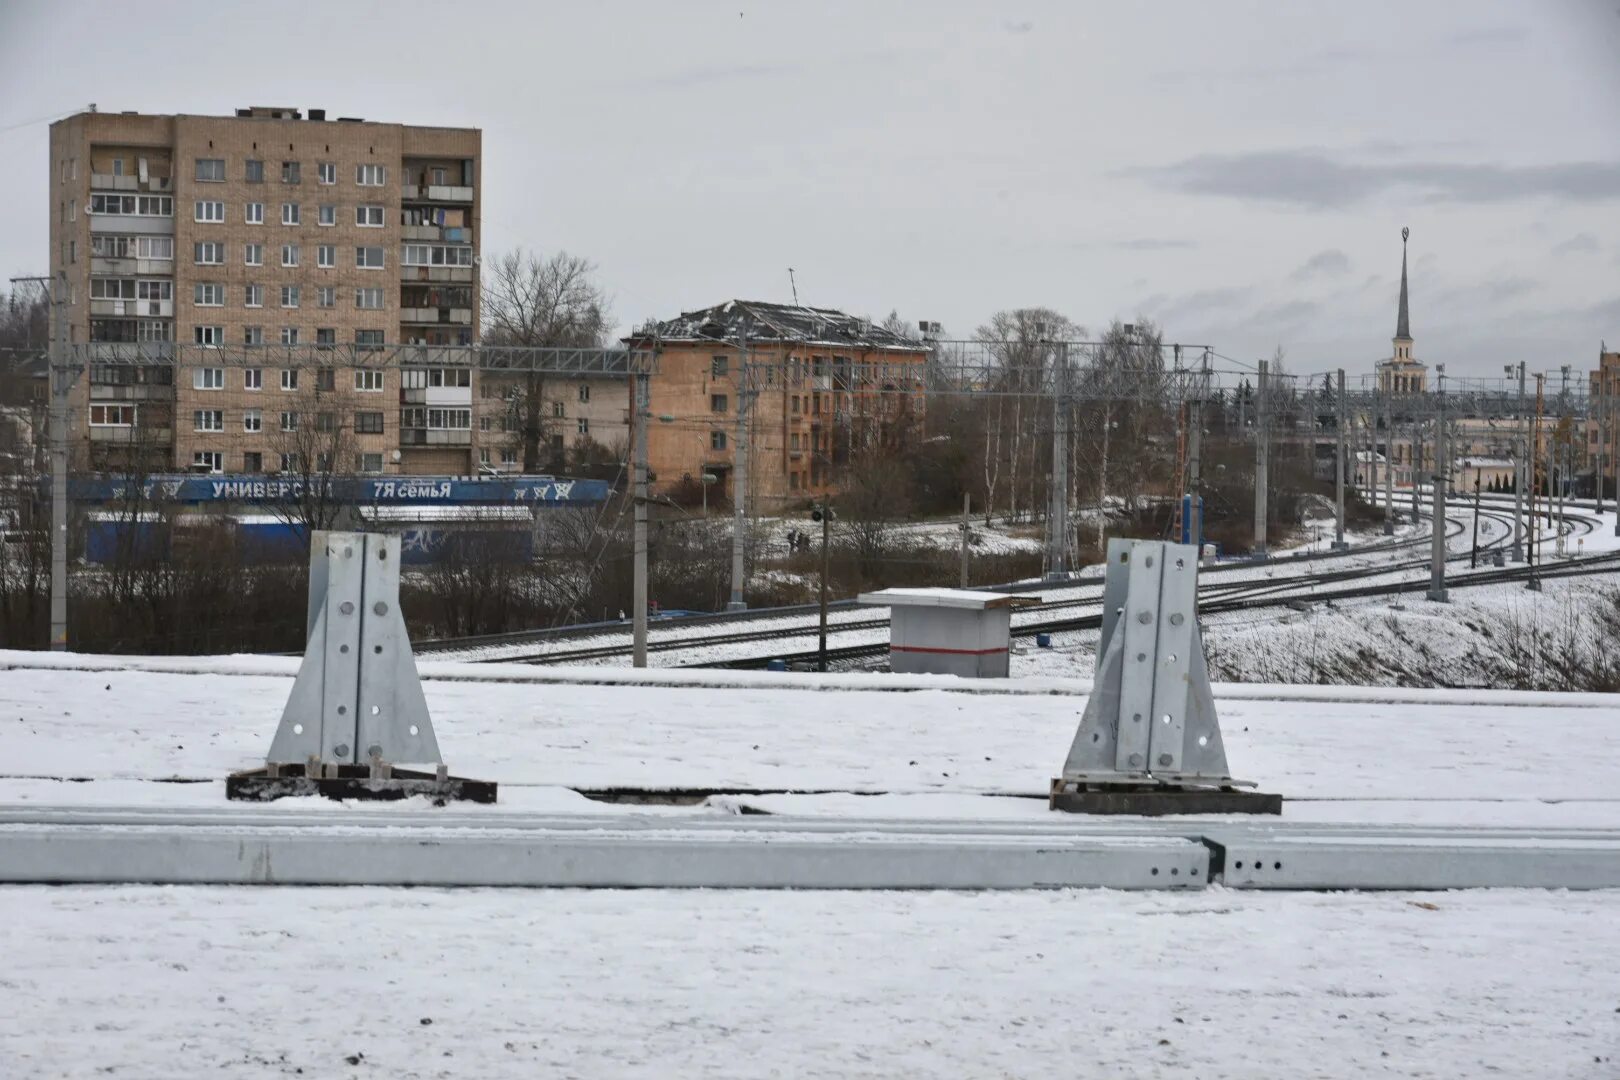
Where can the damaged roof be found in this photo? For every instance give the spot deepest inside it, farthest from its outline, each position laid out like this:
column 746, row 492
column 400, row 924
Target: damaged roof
column 765, row 323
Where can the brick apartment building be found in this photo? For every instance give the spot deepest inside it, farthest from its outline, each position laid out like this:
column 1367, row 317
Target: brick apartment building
column 270, row 228
column 818, row 396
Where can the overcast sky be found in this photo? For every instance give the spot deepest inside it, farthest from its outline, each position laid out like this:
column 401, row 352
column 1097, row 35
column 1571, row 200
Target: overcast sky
column 1238, row 172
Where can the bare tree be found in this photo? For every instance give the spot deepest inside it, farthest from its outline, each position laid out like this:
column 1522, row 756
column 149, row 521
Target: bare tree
column 315, row 442
column 1023, row 343
column 555, row 302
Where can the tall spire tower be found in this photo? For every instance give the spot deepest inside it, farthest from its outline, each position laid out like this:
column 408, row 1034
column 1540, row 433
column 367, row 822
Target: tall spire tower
column 1403, row 322
column 1401, row 373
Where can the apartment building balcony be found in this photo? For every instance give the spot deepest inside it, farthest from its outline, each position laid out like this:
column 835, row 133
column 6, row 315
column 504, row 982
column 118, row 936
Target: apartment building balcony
column 131, row 392
column 452, row 396
column 103, row 266
column 130, row 309
column 449, row 274
column 409, row 437
column 439, row 193
column 143, row 224
column 421, row 232
column 437, row 316
column 145, row 351
column 130, row 436
column 110, row 182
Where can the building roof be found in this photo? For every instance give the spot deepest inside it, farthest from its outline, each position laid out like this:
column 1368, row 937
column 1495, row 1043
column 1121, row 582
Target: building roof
column 768, row 323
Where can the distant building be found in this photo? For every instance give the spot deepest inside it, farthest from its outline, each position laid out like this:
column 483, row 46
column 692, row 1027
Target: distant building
column 825, row 387
column 267, row 227
column 1402, row 373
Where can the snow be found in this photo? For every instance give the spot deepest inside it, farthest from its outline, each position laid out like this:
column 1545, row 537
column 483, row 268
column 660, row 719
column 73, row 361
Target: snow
column 1469, row 757
column 429, row 983
column 938, row 597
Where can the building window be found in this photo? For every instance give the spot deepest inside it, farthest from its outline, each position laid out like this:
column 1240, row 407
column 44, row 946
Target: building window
column 368, row 340
column 289, row 254
column 326, row 296
column 486, row 423
column 368, row 258
column 508, row 458
column 483, row 455
column 118, row 166
column 326, row 256
column 112, row 416
column 557, row 409
column 440, row 176
column 717, row 403
column 208, row 295
column 252, row 335
column 254, row 296
column 717, row 440
column 112, row 288
column 155, row 330
column 289, row 462
column 289, row 377
column 368, row 217
column 718, row 366
column 584, row 392
column 795, row 404
column 793, row 441
column 212, row 460
column 326, row 173
column 289, row 296
column 289, row 421
column 289, row 336
column 211, row 170
column 793, row 481
column 253, row 254
column 252, row 420
column 289, row 172
column 255, row 213
column 368, row 299
column 583, row 427
column 325, row 379
column 208, row 420
column 368, row 463
column 213, row 336
column 253, row 378
column 325, row 338
column 289, row 213
column 368, row 423
column 252, row 462
column 209, row 254
column 154, row 247
column 210, row 211
column 325, row 422
column 254, row 171
column 370, row 175
column 368, row 381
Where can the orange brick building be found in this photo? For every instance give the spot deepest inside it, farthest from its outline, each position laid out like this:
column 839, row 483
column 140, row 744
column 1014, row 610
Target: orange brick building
column 823, row 388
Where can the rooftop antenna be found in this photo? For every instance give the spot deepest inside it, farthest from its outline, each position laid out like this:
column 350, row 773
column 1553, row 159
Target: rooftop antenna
column 795, row 286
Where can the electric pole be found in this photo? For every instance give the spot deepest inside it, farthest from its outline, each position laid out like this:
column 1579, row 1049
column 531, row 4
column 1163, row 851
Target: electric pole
column 1518, row 468
column 1442, row 469
column 1534, row 581
column 824, row 514
column 967, row 507
column 739, row 486
column 1262, row 410
column 62, row 376
column 639, row 591
column 1057, row 516
column 1389, row 467
column 1338, row 477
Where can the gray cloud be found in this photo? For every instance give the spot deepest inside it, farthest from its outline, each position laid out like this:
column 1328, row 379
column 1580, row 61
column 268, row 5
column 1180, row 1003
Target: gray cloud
column 1488, row 35
column 1308, row 178
column 1579, row 244
column 1331, row 263
column 1139, row 243
column 1023, row 27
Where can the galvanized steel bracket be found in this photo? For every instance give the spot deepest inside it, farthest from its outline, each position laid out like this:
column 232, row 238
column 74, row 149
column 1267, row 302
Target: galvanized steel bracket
column 357, row 698
column 1150, row 720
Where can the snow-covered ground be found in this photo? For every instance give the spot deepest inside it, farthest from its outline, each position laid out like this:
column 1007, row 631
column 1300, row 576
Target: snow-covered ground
column 937, row 745
column 192, row 981
column 423, row 983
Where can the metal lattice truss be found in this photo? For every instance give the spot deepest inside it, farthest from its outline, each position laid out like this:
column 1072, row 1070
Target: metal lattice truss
column 496, row 358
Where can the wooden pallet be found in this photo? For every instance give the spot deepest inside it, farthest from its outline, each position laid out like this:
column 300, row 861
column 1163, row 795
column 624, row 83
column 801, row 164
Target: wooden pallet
column 1156, row 800
column 354, row 782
